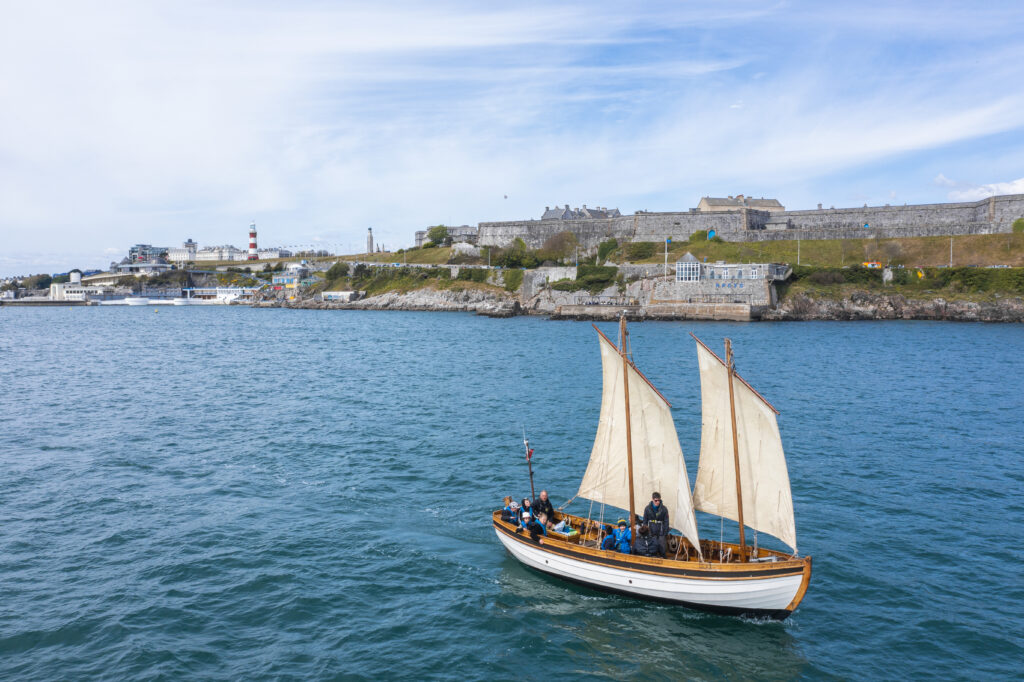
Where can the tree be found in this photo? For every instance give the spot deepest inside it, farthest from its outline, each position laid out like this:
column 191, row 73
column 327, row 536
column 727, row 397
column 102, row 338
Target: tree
column 605, row 248
column 558, row 247
column 337, row 271
column 42, row 281
column 438, row 234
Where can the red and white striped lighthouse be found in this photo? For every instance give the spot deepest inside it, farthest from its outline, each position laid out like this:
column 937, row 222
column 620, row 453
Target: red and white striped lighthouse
column 253, row 253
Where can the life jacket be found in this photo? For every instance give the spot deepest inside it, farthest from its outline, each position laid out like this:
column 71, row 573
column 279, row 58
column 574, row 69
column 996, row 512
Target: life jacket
column 622, row 539
column 657, row 519
column 507, row 514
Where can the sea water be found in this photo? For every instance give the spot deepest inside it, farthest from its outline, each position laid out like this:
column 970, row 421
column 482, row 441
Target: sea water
column 229, row 493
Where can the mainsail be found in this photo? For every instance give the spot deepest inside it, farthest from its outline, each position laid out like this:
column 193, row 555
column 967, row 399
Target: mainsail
column 657, row 458
column 764, row 478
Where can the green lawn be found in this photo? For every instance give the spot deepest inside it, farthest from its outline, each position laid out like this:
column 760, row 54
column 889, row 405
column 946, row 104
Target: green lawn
column 978, row 249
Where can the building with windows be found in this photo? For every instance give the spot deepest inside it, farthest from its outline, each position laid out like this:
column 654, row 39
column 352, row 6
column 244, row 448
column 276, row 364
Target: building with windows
column 733, row 203
column 221, row 253
column 689, row 269
column 185, row 254
column 145, row 252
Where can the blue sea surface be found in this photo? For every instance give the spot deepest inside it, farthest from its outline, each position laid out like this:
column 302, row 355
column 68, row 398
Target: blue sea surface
column 231, row 493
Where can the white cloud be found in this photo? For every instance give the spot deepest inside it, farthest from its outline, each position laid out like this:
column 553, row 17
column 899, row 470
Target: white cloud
column 970, row 192
column 154, row 122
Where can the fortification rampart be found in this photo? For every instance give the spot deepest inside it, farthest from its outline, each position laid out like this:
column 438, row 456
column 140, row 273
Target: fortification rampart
column 992, row 215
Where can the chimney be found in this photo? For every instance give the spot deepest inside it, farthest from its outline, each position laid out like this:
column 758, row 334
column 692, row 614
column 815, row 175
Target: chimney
column 819, row 207
column 547, row 208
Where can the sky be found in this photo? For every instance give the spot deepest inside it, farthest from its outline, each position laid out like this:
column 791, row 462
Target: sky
column 130, row 121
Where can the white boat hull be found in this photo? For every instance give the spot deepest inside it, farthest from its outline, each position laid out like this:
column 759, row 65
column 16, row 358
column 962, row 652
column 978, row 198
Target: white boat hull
column 755, row 596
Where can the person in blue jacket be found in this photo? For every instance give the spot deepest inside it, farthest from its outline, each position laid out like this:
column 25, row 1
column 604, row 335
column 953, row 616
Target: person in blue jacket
column 511, row 513
column 623, row 537
column 533, row 527
column 607, row 539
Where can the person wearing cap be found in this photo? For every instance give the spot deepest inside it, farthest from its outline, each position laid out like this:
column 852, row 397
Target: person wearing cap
column 623, row 537
column 656, row 517
column 532, row 526
column 511, row 512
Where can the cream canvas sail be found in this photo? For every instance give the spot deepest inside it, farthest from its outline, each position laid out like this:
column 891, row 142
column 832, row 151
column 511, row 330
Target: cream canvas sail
column 657, row 457
column 764, row 478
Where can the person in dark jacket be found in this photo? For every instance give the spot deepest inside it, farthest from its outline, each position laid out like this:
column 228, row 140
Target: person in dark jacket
column 526, row 506
column 542, row 505
column 656, row 518
column 533, row 527
column 646, row 543
column 607, row 539
column 511, row 513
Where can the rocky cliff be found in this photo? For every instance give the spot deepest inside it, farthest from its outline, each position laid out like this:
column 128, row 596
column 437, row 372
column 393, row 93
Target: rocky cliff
column 483, row 302
column 862, row 305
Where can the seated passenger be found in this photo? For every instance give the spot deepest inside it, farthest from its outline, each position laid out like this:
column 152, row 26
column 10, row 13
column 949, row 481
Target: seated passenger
column 607, row 539
column 542, row 519
column 525, row 506
column 647, row 543
column 623, row 537
column 542, row 505
column 531, row 526
column 511, row 512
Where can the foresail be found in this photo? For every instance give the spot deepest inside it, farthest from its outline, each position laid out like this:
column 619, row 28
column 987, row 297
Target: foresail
column 764, row 477
column 657, row 457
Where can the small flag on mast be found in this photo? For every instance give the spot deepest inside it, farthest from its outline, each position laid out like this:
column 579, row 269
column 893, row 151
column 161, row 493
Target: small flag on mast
column 529, row 454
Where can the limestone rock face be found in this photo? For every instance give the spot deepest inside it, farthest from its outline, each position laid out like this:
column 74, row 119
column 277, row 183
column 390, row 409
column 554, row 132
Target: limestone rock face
column 862, row 305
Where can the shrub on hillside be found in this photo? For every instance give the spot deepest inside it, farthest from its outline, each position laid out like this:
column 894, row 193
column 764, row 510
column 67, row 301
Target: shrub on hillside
column 605, row 248
column 699, row 236
column 337, row 271
column 826, row 277
column 1018, row 225
column 513, row 279
column 640, row 250
column 558, row 247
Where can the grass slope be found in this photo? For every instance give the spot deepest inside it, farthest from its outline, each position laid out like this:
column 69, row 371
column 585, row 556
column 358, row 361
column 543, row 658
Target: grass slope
column 975, row 249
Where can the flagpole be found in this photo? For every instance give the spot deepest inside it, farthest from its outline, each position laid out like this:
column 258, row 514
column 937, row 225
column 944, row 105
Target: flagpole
column 529, row 464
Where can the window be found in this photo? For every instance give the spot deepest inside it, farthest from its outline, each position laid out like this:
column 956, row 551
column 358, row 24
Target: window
column 687, row 271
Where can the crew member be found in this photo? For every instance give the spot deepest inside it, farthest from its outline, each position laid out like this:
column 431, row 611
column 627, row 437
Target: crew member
column 656, row 517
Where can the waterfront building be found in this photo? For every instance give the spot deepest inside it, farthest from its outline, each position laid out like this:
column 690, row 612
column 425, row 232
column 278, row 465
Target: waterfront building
column 292, row 276
column 145, row 252
column 185, row 254
column 154, row 266
column 272, row 254
column 220, row 253
column 733, row 203
column 689, row 269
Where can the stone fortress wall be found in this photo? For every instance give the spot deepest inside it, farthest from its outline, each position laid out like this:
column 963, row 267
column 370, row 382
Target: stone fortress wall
column 988, row 216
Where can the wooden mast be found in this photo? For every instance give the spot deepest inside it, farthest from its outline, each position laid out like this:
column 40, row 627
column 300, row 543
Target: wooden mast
column 629, row 428
column 735, row 448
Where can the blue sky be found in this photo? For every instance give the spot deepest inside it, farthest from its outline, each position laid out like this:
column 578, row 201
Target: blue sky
column 125, row 122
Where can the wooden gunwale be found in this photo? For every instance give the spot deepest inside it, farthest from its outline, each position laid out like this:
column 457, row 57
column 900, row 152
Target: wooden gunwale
column 697, row 570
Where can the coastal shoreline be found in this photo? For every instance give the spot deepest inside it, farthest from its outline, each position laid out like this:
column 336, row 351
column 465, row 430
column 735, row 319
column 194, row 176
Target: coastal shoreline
column 859, row 305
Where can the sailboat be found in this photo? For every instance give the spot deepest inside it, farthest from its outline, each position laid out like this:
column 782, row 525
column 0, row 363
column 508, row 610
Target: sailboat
column 741, row 477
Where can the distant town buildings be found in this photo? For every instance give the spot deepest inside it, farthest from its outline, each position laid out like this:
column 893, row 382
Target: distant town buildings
column 185, row 254
column 144, row 252
column 731, row 203
column 219, row 253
